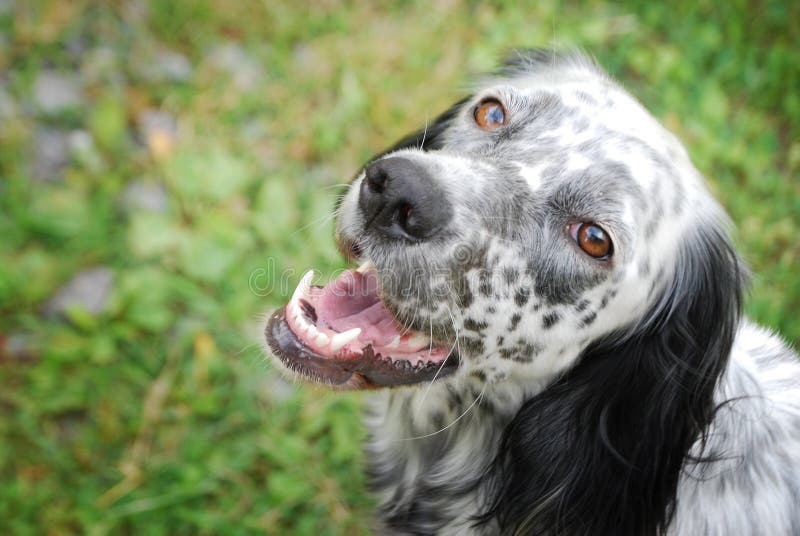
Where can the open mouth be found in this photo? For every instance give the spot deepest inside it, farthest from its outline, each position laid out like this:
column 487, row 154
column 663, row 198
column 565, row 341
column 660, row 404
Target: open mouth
column 342, row 334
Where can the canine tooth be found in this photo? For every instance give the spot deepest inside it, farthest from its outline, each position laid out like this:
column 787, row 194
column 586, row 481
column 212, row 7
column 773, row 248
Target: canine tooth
column 303, row 287
column 395, row 342
column 419, row 341
column 340, row 339
column 366, row 267
column 322, row 339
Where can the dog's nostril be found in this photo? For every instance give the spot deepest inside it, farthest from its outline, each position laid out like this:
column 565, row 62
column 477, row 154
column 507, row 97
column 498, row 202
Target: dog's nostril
column 376, row 179
column 404, row 212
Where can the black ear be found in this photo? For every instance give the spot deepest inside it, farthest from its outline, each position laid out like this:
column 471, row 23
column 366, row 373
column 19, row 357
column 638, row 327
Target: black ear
column 429, row 137
column 601, row 450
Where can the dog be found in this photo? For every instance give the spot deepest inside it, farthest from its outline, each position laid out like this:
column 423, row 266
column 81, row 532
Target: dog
column 548, row 305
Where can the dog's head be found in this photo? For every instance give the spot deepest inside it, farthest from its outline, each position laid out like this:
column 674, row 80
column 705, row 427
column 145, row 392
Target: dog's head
column 546, row 212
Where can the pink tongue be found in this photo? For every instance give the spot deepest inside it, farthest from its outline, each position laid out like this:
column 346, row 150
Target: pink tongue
column 351, row 301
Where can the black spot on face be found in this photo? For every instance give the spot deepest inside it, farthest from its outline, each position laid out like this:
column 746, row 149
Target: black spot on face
column 521, row 296
column 514, row 321
column 582, row 305
column 550, row 319
column 479, row 375
column 471, row 345
column 485, row 283
column 588, row 319
column 500, row 340
column 474, row 325
column 525, row 352
column 510, row 275
column 507, row 353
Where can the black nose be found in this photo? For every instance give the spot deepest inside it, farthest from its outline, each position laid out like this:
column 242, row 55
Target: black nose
column 400, row 199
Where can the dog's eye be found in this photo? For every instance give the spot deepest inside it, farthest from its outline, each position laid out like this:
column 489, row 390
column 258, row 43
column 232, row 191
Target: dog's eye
column 490, row 114
column 592, row 239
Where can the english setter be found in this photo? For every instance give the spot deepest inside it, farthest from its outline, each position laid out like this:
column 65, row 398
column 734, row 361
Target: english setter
column 549, row 295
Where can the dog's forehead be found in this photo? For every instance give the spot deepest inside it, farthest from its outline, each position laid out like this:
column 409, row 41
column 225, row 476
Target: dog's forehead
column 572, row 118
column 573, row 107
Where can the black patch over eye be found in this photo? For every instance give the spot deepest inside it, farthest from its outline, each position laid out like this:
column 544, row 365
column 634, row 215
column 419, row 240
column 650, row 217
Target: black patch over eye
column 592, row 239
column 490, row 114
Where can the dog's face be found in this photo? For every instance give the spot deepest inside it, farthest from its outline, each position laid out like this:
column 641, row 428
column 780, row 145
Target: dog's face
column 541, row 214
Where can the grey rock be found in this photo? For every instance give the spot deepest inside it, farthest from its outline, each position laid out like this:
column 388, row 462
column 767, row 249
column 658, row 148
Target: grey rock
column 245, row 70
column 144, row 196
column 76, row 47
column 56, row 92
column 18, row 347
column 102, row 64
column 84, row 150
column 152, row 121
column 51, row 154
column 167, row 66
column 89, row 289
column 135, row 11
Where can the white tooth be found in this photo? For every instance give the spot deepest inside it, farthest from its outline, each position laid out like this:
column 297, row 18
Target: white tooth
column 366, row 267
column 322, row 339
column 419, row 341
column 294, row 309
column 340, row 339
column 303, row 287
column 302, row 329
column 395, row 342
column 301, row 319
column 312, row 329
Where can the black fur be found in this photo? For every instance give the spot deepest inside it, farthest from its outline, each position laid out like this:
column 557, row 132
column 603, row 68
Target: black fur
column 428, row 138
column 600, row 451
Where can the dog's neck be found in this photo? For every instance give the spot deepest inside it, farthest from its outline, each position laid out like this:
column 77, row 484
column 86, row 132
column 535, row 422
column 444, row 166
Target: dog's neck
column 430, row 447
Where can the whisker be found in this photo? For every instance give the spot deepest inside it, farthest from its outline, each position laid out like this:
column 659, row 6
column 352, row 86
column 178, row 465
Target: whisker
column 319, row 222
column 474, row 402
column 424, row 133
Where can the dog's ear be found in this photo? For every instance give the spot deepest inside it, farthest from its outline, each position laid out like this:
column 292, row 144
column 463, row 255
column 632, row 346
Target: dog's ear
column 601, row 450
column 428, row 137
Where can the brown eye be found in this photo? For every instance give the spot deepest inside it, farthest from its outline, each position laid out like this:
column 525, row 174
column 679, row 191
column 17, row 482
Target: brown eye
column 490, row 114
column 592, row 239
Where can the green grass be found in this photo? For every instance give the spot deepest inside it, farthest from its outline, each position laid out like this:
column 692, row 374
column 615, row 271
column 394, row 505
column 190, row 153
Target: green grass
column 161, row 415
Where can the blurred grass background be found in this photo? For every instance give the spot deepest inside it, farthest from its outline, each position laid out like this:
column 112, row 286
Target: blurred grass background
column 162, row 163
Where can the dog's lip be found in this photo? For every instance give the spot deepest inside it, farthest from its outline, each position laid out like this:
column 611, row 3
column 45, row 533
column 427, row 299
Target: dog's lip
column 367, row 371
column 343, row 334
